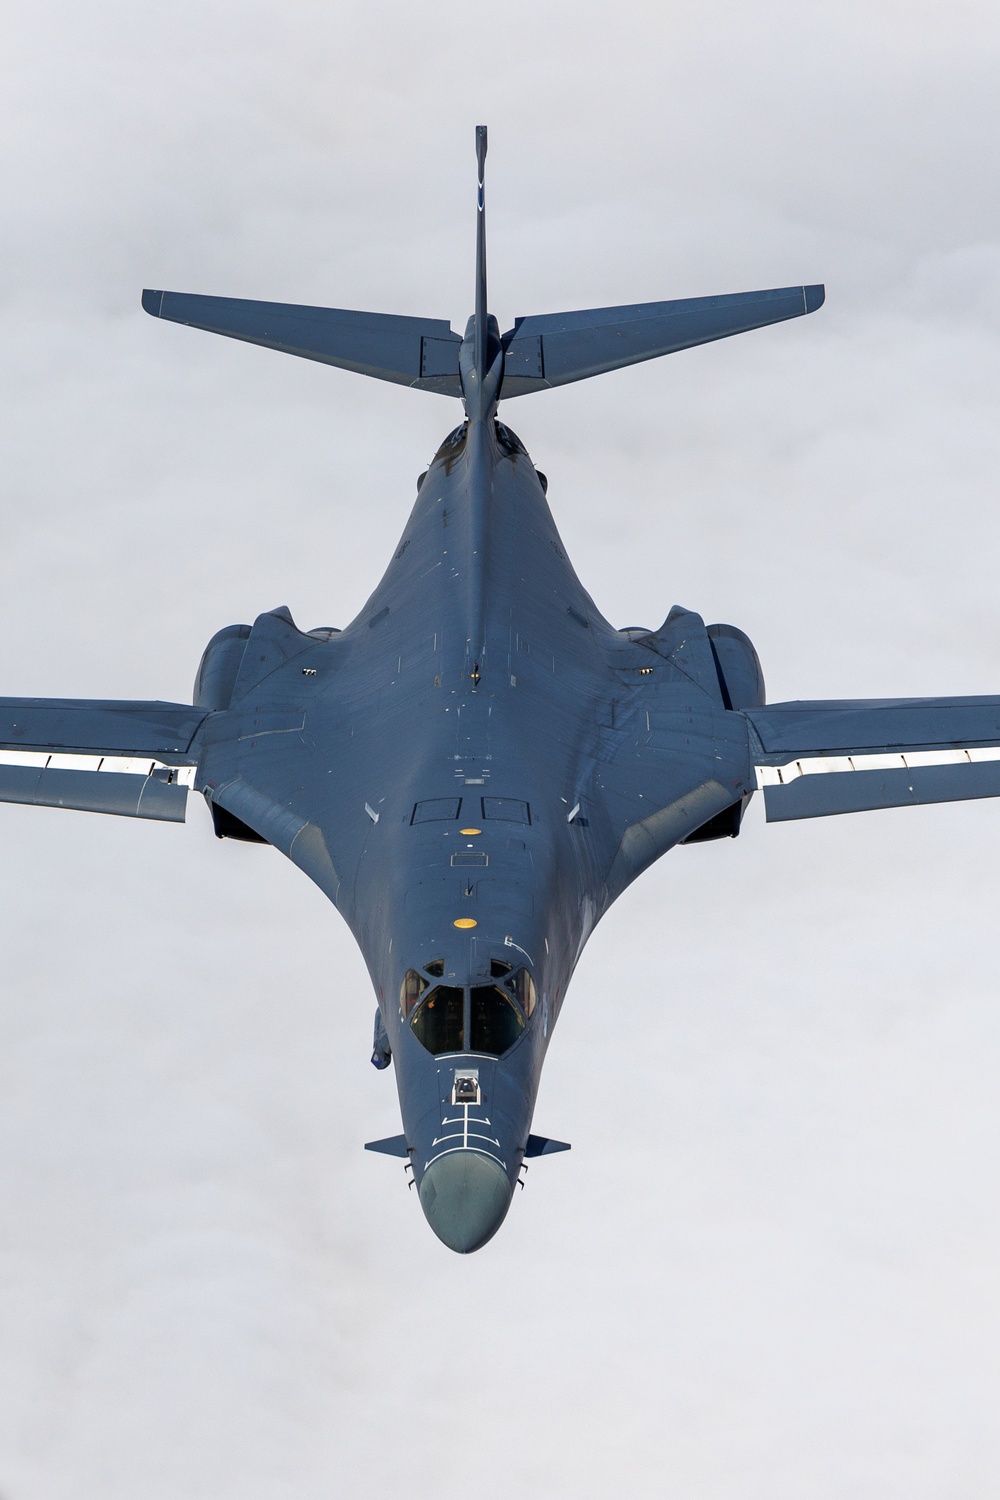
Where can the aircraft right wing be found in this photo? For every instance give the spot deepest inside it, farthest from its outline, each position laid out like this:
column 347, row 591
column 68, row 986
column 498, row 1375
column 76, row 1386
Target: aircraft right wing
column 853, row 755
column 96, row 755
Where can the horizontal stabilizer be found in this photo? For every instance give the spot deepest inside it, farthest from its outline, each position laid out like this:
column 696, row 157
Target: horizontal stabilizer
column 418, row 352
column 540, row 1145
column 557, row 348
column 390, row 1145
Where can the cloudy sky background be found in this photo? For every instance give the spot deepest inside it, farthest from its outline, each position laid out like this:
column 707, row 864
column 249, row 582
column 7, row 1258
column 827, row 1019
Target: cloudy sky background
column 768, row 1268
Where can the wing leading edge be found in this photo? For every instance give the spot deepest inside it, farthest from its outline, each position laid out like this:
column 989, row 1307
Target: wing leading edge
column 812, row 760
column 128, row 758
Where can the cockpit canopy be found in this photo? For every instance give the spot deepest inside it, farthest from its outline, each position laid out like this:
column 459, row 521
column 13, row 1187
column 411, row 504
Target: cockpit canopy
column 487, row 1018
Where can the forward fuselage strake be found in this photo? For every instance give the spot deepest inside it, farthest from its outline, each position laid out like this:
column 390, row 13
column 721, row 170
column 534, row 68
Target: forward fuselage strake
column 473, row 770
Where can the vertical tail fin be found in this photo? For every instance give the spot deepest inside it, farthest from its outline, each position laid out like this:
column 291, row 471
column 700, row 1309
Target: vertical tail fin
column 482, row 326
column 480, row 359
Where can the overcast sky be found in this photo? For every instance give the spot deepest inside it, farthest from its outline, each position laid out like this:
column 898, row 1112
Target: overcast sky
column 768, row 1268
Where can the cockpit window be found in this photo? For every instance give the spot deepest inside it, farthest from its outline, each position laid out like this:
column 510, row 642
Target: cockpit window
column 410, row 990
column 523, row 987
column 496, row 1022
column 489, row 1018
column 438, row 1021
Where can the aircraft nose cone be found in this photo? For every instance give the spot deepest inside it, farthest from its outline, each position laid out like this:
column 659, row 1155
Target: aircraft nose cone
column 465, row 1198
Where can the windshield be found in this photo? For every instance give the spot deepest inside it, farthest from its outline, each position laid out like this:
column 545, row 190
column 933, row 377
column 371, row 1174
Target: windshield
column 485, row 1018
column 438, row 1021
column 496, row 1022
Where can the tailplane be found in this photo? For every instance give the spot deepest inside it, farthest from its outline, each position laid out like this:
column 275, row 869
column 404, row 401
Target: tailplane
column 419, row 352
column 535, row 355
column 557, row 348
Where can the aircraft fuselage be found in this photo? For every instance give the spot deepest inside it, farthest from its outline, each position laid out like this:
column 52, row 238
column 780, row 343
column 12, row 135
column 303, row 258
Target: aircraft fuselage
column 445, row 769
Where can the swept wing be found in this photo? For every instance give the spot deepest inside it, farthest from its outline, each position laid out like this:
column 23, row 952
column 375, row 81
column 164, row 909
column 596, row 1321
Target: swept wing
column 852, row 755
column 114, row 756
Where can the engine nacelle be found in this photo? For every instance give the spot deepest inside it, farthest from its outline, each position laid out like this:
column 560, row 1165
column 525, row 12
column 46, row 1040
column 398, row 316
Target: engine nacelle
column 742, row 684
column 220, row 665
column 738, row 665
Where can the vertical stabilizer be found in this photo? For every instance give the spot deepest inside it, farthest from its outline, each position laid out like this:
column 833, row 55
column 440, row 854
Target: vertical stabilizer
column 481, row 356
column 482, row 328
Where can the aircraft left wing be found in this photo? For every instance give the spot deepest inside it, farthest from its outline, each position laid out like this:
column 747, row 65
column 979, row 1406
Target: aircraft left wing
column 853, row 755
column 96, row 755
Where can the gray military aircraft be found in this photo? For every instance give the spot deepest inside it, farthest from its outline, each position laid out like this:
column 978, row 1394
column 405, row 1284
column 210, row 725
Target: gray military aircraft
column 479, row 764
